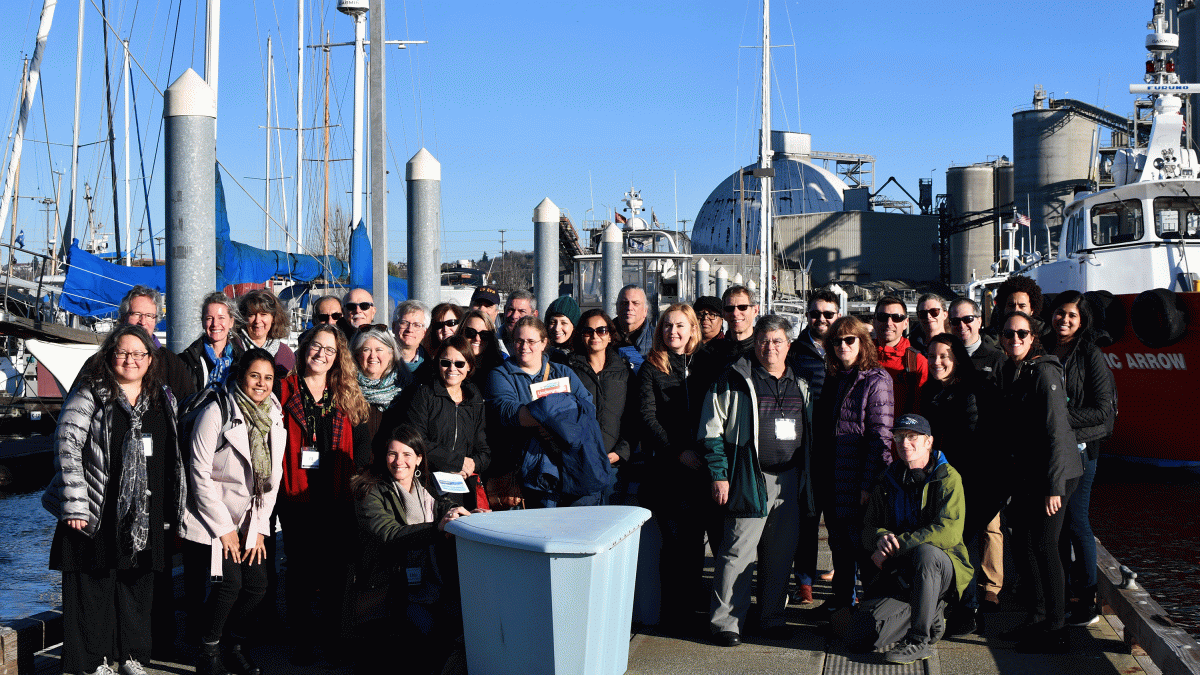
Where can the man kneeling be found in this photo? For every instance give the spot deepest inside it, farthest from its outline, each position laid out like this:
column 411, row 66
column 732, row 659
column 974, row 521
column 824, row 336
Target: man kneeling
column 914, row 525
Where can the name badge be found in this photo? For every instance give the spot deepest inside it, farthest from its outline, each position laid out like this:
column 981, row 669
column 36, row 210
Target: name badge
column 414, row 576
column 310, row 458
column 147, row 445
column 785, row 429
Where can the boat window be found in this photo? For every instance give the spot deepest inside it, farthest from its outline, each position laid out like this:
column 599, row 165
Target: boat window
column 1117, row 222
column 1074, row 231
column 1177, row 215
column 591, row 291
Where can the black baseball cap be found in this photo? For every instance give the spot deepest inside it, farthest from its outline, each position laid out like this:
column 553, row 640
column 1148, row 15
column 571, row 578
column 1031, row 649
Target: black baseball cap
column 914, row 423
column 486, row 294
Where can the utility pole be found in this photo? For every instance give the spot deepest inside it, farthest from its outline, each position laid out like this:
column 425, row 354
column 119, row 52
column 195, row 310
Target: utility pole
column 502, row 242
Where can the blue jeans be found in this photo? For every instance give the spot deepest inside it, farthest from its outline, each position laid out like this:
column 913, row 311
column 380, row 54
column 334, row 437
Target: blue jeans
column 1078, row 537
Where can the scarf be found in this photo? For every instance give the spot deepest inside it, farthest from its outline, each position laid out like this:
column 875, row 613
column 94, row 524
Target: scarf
column 418, row 508
column 379, row 393
column 416, row 502
column 220, row 368
column 133, row 508
column 258, row 419
column 272, row 346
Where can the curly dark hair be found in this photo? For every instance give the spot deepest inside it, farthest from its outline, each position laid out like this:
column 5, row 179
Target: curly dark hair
column 1020, row 284
column 868, row 355
column 101, row 372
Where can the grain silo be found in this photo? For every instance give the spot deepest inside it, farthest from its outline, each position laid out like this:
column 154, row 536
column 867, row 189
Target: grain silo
column 1052, row 153
column 971, row 194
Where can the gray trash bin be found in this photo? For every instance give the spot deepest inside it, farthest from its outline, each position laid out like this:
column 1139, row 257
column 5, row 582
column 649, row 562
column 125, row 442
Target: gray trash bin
column 548, row 590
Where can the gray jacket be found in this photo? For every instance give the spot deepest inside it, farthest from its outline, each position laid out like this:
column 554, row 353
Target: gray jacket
column 82, row 445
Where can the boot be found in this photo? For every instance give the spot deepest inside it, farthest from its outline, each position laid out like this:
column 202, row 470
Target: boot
column 210, row 661
column 239, row 663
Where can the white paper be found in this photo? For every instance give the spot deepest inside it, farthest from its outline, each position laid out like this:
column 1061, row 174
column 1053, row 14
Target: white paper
column 559, row 385
column 450, row 482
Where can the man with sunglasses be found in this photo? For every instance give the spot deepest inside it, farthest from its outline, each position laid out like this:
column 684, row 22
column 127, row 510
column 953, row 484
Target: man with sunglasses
column 907, row 366
column 359, row 307
column 741, row 313
column 710, row 314
column 965, row 322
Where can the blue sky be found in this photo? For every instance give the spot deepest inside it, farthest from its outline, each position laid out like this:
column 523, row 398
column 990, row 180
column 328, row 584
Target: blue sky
column 577, row 100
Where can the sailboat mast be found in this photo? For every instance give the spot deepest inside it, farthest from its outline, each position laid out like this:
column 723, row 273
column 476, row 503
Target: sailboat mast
column 267, row 161
column 12, row 231
column 212, row 48
column 765, row 171
column 325, row 221
column 128, row 206
column 299, row 124
column 112, row 136
column 68, row 229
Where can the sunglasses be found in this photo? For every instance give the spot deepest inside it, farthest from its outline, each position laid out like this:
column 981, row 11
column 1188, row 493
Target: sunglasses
column 598, row 330
column 815, row 314
column 847, row 339
column 926, row 313
column 483, row 335
column 1019, row 333
column 446, row 363
column 372, row 326
column 707, row 315
column 322, row 318
column 882, row 317
column 364, row 306
column 448, row 323
column 729, row 309
column 959, row 320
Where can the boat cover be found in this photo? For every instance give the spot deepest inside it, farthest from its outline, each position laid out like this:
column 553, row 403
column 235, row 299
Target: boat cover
column 360, row 269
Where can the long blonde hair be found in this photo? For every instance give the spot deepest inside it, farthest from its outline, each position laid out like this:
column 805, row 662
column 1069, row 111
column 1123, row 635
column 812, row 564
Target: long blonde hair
column 342, row 377
column 658, row 354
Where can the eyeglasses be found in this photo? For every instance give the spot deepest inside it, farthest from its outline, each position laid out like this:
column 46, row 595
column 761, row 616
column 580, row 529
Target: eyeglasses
column 317, row 349
column 1019, row 333
column 883, row 317
column 372, row 326
column 777, row 343
column 447, row 363
column 847, row 339
column 448, row 323
column 704, row 316
column 815, row 314
column 959, row 320
column 405, row 324
column 322, row 318
column 598, row 330
column 926, row 313
column 136, row 357
column 483, row 335
column 138, row 317
column 364, row 306
column 729, row 309
column 527, row 343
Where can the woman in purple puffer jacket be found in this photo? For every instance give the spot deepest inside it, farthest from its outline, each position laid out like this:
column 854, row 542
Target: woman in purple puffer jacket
column 853, row 425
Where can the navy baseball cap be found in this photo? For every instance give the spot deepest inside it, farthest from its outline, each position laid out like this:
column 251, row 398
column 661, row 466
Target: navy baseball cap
column 914, row 423
column 486, row 294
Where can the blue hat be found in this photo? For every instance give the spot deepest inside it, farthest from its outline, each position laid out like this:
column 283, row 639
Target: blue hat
column 914, row 423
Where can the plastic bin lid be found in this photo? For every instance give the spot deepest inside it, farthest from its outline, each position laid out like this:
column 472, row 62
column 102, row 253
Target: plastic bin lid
column 584, row 530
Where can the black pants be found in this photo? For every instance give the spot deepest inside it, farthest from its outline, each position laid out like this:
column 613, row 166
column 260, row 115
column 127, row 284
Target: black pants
column 685, row 513
column 106, row 614
column 315, row 545
column 1036, row 535
column 231, row 601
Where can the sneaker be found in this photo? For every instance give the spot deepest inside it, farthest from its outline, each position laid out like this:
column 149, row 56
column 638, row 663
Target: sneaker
column 131, row 667
column 802, row 596
column 102, row 669
column 908, row 650
column 1083, row 616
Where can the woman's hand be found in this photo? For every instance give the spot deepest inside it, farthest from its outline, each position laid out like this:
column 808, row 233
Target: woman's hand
column 690, row 459
column 453, row 514
column 257, row 554
column 231, row 546
column 613, row 458
column 468, row 467
column 76, row 523
column 1053, row 504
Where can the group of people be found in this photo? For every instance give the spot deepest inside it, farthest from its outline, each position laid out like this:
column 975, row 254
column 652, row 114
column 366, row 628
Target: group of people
column 368, row 439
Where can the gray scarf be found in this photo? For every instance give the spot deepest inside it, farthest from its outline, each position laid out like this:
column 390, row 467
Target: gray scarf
column 381, row 392
column 272, row 346
column 133, row 508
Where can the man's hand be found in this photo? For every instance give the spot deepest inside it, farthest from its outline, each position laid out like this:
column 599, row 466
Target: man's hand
column 888, row 544
column 720, row 492
column 878, row 557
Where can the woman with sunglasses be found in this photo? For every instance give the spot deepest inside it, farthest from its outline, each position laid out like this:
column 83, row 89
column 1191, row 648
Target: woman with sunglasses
column 932, row 319
column 444, row 322
column 480, row 332
column 853, row 436
column 324, row 414
column 562, row 320
column 1046, row 468
column 1092, row 405
column 449, row 413
column 679, row 489
column 610, row 380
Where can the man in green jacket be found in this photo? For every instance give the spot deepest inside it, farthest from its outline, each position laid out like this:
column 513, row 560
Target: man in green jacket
column 756, row 426
column 914, row 528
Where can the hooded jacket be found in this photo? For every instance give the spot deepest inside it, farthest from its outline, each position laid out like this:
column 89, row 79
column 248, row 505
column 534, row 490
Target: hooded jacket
column 729, row 429
column 1091, row 391
column 1038, row 432
column 614, row 393
column 940, row 520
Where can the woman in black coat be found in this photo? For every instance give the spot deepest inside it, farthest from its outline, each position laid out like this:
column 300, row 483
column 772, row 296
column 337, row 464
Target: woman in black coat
column 449, row 413
column 1092, row 406
column 1045, row 471
column 611, row 382
column 678, row 488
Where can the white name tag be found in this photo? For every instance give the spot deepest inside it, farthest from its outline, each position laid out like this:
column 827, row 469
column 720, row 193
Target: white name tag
column 147, row 445
column 785, row 429
column 414, row 576
column 310, row 458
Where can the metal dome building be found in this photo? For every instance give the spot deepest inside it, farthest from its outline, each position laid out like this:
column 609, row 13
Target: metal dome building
column 799, row 187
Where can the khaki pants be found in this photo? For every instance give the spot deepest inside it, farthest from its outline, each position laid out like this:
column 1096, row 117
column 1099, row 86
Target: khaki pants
column 991, row 567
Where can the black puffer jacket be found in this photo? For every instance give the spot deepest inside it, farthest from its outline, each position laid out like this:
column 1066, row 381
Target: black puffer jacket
column 451, row 431
column 670, row 404
column 1091, row 391
column 1037, row 429
column 808, row 363
column 614, row 392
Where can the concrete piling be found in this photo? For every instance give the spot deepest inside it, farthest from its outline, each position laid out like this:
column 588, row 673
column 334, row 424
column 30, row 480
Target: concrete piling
column 424, row 176
column 611, row 248
column 545, row 254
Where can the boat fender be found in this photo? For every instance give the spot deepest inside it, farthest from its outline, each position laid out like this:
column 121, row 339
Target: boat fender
column 1108, row 317
column 1158, row 318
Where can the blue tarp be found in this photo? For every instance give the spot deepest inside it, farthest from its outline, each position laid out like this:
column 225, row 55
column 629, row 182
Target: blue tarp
column 360, row 269
column 94, row 287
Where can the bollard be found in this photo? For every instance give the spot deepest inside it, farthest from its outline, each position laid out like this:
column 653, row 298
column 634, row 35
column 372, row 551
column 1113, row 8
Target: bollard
column 424, row 175
column 545, row 254
column 611, row 267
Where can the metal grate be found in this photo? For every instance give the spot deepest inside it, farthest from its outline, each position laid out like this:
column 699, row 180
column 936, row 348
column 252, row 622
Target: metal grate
column 873, row 664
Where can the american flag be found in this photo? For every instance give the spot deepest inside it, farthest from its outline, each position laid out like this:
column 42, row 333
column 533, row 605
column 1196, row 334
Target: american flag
column 1022, row 219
